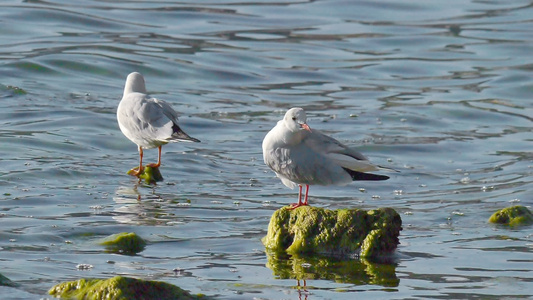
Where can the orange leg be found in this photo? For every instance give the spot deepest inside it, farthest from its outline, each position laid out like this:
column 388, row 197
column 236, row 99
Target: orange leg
column 158, row 164
column 140, row 169
column 300, row 203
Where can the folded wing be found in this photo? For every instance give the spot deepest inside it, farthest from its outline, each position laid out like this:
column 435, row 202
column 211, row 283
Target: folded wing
column 341, row 155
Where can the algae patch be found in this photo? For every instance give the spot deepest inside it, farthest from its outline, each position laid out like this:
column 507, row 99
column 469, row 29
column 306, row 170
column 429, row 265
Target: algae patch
column 513, row 216
column 119, row 288
column 124, row 243
column 4, row 281
column 9, row 90
column 149, row 174
column 310, row 229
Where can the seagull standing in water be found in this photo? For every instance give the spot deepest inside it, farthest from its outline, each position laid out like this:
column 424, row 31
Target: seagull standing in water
column 300, row 156
column 146, row 121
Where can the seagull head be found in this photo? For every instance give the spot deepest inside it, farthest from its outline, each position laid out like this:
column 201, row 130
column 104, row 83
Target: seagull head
column 135, row 84
column 296, row 120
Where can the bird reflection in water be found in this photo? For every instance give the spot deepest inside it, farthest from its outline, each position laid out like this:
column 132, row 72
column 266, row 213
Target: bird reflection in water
column 134, row 207
column 302, row 290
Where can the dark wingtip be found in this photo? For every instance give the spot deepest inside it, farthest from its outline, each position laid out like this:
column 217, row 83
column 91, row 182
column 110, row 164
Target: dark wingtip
column 365, row 176
column 179, row 134
column 182, row 136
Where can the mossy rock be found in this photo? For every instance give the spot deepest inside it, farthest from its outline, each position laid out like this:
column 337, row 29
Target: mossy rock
column 4, row 281
column 341, row 270
column 119, row 288
column 513, row 216
column 124, row 243
column 149, row 174
column 310, row 229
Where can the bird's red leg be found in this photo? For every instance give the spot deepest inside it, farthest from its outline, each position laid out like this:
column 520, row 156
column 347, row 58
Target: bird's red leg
column 306, row 193
column 295, row 205
column 299, row 195
column 158, row 160
column 300, row 203
column 140, row 169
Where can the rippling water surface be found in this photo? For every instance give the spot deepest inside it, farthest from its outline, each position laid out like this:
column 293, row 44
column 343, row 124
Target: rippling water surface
column 438, row 90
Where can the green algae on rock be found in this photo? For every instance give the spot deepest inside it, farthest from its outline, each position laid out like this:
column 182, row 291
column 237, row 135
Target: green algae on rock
column 4, row 281
column 310, row 229
column 124, row 243
column 354, row 271
column 149, row 174
column 513, row 216
column 119, row 288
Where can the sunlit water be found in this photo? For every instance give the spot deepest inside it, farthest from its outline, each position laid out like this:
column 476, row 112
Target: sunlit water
column 438, row 90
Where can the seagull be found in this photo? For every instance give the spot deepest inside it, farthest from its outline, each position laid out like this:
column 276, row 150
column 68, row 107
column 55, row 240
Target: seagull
column 300, row 156
column 146, row 121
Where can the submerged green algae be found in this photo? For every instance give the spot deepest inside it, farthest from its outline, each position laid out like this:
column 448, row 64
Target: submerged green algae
column 124, row 243
column 513, row 216
column 11, row 90
column 333, row 232
column 4, row 281
column 119, row 288
column 149, row 174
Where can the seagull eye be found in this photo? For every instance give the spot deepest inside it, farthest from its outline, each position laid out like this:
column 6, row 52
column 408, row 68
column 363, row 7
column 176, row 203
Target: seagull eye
column 294, row 118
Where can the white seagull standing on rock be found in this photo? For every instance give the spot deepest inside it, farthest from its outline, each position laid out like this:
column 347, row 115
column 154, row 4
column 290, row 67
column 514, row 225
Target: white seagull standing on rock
column 146, row 121
column 301, row 156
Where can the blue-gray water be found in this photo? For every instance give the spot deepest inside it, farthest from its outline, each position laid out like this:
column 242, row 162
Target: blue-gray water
column 440, row 90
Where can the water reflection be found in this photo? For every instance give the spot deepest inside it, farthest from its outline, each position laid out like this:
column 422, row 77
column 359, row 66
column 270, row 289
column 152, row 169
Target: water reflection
column 142, row 204
column 358, row 271
column 133, row 209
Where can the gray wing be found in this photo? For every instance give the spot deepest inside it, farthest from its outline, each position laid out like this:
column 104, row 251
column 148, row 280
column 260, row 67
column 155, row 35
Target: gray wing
column 166, row 109
column 157, row 114
column 145, row 119
column 338, row 153
column 302, row 165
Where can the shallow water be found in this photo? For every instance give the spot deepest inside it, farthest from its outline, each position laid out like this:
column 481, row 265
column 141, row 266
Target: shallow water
column 440, row 91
